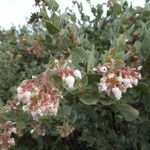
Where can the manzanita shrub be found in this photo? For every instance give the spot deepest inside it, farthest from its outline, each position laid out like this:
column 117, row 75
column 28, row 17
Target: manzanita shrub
column 93, row 89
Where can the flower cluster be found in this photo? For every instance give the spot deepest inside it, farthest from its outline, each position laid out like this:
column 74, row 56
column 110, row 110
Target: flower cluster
column 6, row 141
column 69, row 75
column 39, row 96
column 117, row 80
column 38, row 129
column 34, row 51
column 65, row 130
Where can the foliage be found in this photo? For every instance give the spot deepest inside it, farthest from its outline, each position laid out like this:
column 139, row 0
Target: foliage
column 87, row 118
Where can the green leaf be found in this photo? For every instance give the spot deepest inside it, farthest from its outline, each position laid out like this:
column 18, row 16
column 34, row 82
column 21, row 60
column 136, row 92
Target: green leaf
column 128, row 112
column 91, row 60
column 107, row 102
column 73, row 116
column 90, row 96
column 146, row 102
column 81, row 119
column 57, row 79
column 66, row 110
column 145, row 48
column 85, row 80
column 88, row 100
column 148, row 24
column 52, row 28
column 93, row 78
column 146, row 67
column 144, row 88
column 131, row 29
column 117, row 8
column 48, row 38
column 56, row 20
column 52, row 4
column 79, row 55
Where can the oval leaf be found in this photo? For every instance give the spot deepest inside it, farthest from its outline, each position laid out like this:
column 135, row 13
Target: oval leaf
column 79, row 55
column 52, row 28
column 128, row 112
column 90, row 96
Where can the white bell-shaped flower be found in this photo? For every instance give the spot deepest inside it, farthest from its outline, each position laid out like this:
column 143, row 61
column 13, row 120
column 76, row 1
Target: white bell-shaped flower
column 70, row 81
column 127, row 83
column 77, row 74
column 135, row 81
column 117, row 92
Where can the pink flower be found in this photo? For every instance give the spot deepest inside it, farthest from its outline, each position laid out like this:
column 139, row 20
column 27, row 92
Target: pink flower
column 40, row 97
